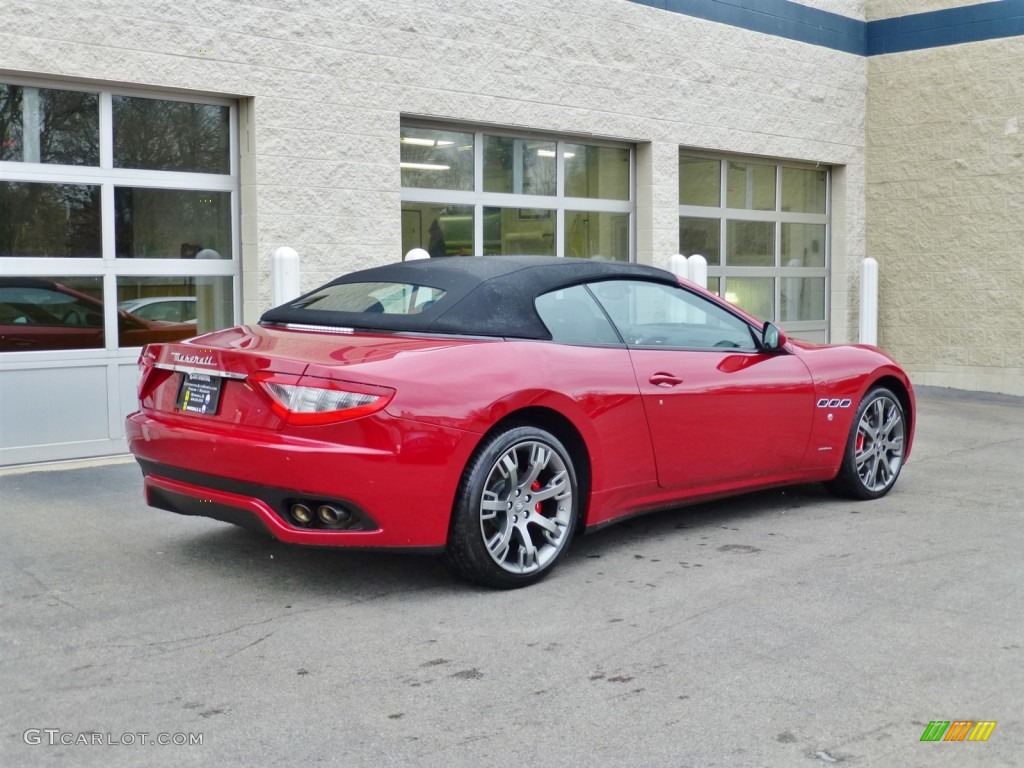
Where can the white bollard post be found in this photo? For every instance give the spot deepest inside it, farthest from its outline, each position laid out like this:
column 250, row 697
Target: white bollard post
column 869, row 301
column 416, row 253
column 679, row 266
column 698, row 270
column 284, row 275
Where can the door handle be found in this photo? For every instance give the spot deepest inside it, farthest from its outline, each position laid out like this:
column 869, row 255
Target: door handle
column 662, row 379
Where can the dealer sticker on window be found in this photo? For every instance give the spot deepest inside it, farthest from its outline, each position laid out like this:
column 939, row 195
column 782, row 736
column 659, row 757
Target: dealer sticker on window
column 199, row 393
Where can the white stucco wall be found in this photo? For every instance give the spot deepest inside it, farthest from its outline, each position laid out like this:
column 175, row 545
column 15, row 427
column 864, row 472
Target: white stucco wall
column 323, row 86
column 887, row 9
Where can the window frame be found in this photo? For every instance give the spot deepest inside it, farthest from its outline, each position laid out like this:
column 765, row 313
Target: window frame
column 777, row 272
column 479, row 199
column 107, row 176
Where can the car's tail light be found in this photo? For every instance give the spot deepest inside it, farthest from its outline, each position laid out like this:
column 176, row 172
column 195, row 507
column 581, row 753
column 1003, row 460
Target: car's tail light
column 307, row 400
column 149, row 376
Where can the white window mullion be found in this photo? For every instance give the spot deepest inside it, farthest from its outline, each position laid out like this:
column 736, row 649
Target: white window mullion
column 106, row 131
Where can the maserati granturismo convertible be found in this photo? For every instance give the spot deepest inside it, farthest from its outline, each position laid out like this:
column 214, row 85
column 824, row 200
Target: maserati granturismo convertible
column 489, row 408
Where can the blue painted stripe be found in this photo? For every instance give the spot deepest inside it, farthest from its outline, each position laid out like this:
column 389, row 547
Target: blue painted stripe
column 967, row 24
column 783, row 18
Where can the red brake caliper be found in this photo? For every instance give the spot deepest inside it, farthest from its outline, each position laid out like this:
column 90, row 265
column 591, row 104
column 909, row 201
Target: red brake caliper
column 860, row 442
column 536, row 487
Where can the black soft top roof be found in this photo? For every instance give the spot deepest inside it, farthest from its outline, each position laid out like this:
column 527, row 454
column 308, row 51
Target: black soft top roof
column 484, row 296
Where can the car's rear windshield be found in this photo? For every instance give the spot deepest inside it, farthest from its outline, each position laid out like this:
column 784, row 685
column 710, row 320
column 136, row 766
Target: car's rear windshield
column 382, row 298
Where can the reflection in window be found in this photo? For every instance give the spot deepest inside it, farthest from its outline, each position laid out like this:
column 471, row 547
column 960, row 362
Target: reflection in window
column 440, row 230
column 750, row 243
column 519, row 231
column 754, row 294
column 803, row 190
column 802, row 298
column 597, row 235
column 51, row 313
column 803, row 245
column 60, row 220
column 573, row 317
column 436, row 159
column 172, row 223
column 700, row 236
column 519, row 166
column 597, row 172
column 172, row 307
column 700, row 181
column 43, row 125
column 751, row 186
column 664, row 316
column 159, row 135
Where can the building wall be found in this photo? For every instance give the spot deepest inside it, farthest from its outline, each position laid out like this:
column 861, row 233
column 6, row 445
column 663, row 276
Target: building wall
column 887, row 9
column 323, row 86
column 946, row 211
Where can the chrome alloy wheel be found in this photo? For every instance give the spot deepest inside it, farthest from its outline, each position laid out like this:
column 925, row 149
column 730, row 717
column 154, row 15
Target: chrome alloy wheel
column 526, row 507
column 879, row 446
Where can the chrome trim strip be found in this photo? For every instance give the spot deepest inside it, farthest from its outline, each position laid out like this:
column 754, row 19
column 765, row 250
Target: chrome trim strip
column 207, row 371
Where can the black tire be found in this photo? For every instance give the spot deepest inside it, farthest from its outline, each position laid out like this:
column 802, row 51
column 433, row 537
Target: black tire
column 515, row 511
column 874, row 449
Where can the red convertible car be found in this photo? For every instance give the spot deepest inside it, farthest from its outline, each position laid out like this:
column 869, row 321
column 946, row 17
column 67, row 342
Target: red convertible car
column 489, row 408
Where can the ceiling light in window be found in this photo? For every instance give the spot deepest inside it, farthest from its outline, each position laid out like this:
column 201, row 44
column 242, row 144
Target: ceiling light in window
column 551, row 153
column 426, row 142
column 424, row 167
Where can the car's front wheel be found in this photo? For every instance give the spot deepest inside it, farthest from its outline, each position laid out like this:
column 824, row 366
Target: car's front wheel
column 515, row 511
column 875, row 448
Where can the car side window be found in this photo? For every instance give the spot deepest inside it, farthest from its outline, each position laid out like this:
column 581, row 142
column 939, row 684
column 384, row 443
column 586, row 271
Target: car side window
column 651, row 314
column 573, row 317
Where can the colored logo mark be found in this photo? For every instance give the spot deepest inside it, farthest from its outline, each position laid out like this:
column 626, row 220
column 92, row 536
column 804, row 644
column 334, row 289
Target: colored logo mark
column 958, row 730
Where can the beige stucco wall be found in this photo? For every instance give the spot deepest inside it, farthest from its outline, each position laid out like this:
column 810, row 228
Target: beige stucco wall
column 946, row 210
column 323, row 86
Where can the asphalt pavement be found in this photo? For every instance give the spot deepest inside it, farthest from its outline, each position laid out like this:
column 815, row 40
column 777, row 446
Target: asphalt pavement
column 784, row 628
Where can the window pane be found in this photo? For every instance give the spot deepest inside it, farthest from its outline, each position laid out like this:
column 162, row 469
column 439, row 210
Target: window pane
column 519, row 231
column 658, row 315
column 803, row 190
column 434, row 159
column 168, row 308
column 750, row 243
column 700, row 236
column 573, row 318
column 50, row 220
column 440, row 230
column 171, row 135
column 803, row 298
column 375, row 298
column 700, row 181
column 803, row 245
column 714, row 285
column 754, row 294
column 51, row 313
column 751, row 186
column 592, row 234
column 519, row 166
column 601, row 172
column 172, row 223
column 42, row 125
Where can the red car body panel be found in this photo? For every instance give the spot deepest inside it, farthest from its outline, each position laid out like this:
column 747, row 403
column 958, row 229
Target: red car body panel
column 383, row 463
column 649, row 427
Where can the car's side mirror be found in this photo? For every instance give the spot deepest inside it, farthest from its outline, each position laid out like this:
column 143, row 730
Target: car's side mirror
column 773, row 338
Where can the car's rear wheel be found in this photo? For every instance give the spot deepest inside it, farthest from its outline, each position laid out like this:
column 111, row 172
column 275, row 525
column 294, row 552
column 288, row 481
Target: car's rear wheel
column 875, row 448
column 515, row 511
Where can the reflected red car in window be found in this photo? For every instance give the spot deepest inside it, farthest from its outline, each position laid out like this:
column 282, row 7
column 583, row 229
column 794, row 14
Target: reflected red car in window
column 37, row 314
column 491, row 408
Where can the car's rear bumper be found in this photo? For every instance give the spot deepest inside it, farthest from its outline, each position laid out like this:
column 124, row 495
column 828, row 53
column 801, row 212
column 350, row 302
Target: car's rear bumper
column 398, row 499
